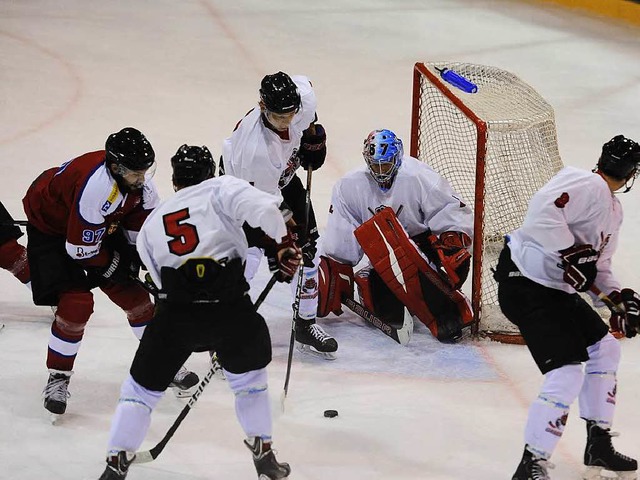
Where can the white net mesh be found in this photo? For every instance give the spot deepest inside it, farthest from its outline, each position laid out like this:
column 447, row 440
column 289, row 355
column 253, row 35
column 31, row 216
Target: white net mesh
column 521, row 155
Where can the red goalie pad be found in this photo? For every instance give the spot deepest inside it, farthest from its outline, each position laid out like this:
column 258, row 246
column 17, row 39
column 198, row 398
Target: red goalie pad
column 335, row 282
column 410, row 277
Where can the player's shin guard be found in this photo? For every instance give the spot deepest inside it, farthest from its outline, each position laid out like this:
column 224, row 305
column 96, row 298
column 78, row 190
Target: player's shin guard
column 549, row 412
column 253, row 406
column 597, row 398
column 309, row 294
column 132, row 417
column 67, row 330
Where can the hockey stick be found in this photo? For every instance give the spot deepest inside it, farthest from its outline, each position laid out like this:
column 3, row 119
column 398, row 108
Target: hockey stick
column 296, row 304
column 152, row 454
column 606, row 300
column 20, row 223
column 401, row 335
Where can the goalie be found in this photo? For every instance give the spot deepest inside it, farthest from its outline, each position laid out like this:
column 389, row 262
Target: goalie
column 416, row 232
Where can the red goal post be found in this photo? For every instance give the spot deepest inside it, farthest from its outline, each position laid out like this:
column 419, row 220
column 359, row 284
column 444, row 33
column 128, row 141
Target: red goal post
column 496, row 147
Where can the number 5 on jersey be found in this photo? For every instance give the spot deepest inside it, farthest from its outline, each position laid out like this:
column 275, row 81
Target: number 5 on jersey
column 184, row 235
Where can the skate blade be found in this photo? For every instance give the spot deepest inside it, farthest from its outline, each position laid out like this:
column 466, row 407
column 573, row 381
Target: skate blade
column 54, row 418
column 309, row 350
column 180, row 393
column 600, row 473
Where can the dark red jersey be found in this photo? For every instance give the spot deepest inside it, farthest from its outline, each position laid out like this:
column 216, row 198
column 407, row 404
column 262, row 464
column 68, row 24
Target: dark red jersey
column 81, row 201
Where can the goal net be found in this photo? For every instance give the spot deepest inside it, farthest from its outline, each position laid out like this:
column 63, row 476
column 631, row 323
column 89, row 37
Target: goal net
column 496, row 147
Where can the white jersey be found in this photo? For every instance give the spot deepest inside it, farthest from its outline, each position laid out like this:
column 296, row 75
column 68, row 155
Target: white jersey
column 259, row 155
column 205, row 221
column 421, row 198
column 575, row 207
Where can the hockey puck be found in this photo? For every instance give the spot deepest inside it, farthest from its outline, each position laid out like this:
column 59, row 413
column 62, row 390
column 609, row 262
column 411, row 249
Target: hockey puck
column 330, row 413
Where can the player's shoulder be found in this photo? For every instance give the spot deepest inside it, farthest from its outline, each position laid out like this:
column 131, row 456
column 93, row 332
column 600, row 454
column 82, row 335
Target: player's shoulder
column 579, row 181
column 303, row 83
column 99, row 196
column 415, row 171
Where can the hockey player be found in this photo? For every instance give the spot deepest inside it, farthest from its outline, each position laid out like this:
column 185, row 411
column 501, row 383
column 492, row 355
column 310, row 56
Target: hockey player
column 565, row 246
column 13, row 256
column 82, row 217
column 401, row 190
column 195, row 248
column 266, row 148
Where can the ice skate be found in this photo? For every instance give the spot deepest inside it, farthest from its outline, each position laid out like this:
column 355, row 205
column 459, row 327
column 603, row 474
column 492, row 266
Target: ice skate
column 183, row 383
column 312, row 339
column 56, row 392
column 265, row 460
column 602, row 460
column 117, row 466
column 532, row 467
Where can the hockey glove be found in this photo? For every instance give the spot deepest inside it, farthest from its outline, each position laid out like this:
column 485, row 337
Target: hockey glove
column 627, row 322
column 284, row 259
column 313, row 148
column 579, row 265
column 119, row 270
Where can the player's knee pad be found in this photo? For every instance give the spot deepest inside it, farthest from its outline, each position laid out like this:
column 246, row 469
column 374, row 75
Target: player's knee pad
column 74, row 310
column 335, row 280
column 563, row 384
column 604, row 356
column 13, row 257
column 131, row 391
column 248, row 383
column 133, row 300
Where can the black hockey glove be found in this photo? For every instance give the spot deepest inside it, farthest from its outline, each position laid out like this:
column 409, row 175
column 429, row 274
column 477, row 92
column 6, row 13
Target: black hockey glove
column 120, row 269
column 627, row 322
column 579, row 265
column 313, row 148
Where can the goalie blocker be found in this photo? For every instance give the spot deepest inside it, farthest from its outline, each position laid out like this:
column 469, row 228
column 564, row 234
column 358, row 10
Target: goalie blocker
column 401, row 277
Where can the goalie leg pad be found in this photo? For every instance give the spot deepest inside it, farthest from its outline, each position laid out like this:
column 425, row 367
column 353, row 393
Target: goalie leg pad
column 376, row 297
column 335, row 281
column 406, row 272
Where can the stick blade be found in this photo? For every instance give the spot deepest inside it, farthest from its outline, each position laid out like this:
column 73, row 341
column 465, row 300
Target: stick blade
column 144, row 457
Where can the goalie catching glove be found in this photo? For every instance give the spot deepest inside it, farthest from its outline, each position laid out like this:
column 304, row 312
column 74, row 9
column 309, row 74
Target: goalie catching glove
column 627, row 321
column 579, row 265
column 313, row 147
column 450, row 252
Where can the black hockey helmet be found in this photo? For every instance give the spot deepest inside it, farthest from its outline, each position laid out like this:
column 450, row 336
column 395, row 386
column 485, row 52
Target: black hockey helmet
column 192, row 165
column 130, row 149
column 620, row 158
column 279, row 94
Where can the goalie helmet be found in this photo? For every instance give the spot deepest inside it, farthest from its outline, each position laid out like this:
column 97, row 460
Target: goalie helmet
column 279, row 94
column 129, row 149
column 620, row 158
column 383, row 153
column 192, row 165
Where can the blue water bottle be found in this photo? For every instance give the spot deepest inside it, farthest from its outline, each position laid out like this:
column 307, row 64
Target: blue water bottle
column 457, row 80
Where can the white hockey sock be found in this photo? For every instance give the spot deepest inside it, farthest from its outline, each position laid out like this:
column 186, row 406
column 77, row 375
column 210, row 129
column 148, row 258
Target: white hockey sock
column 254, row 257
column 131, row 420
column 548, row 413
column 309, row 293
column 253, row 406
column 597, row 398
